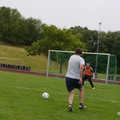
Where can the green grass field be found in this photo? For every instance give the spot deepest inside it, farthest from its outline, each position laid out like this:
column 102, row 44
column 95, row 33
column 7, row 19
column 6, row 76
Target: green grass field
column 20, row 99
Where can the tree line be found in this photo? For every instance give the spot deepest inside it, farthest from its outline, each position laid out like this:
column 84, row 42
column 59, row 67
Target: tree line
column 39, row 37
column 109, row 42
column 17, row 30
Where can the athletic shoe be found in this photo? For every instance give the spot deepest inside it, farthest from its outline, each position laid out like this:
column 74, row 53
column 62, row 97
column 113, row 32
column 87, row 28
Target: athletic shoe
column 70, row 109
column 81, row 106
column 93, row 88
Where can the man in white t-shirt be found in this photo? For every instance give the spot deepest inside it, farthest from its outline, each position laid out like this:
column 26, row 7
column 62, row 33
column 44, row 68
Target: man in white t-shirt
column 74, row 78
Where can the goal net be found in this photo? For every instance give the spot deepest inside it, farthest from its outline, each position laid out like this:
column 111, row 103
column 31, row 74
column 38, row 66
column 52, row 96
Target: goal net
column 104, row 64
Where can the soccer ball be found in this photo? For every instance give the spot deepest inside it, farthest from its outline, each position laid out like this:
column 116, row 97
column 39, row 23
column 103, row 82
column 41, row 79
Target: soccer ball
column 45, row 95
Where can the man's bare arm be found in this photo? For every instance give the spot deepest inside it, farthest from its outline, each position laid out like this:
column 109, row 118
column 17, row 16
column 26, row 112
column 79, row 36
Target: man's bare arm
column 81, row 72
column 93, row 75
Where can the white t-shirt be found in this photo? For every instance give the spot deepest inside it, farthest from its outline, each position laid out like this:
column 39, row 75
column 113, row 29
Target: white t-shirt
column 74, row 66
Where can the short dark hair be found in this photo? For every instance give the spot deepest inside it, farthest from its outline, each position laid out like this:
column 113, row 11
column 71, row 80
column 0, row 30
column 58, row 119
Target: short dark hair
column 78, row 51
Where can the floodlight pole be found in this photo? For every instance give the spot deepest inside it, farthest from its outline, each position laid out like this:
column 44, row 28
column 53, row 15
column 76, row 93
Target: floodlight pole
column 98, row 46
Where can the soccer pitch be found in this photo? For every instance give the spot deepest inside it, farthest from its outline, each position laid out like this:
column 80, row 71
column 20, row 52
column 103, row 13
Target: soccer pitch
column 21, row 99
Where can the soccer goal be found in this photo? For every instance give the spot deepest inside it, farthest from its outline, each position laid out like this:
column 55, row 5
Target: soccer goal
column 104, row 64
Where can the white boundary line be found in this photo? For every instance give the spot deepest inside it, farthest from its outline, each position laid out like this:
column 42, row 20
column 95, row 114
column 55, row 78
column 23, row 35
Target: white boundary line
column 26, row 88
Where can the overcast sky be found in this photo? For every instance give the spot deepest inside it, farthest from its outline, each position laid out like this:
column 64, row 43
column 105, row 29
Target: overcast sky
column 69, row 13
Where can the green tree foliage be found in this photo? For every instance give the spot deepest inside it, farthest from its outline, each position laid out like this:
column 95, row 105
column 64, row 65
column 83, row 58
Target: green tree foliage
column 15, row 29
column 88, row 36
column 109, row 42
column 34, row 29
column 113, row 45
column 10, row 25
column 55, row 39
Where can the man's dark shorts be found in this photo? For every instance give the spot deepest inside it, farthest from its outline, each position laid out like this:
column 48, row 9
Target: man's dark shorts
column 72, row 83
column 85, row 77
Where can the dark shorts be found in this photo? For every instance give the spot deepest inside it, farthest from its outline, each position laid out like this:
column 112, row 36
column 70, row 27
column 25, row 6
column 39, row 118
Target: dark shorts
column 85, row 77
column 72, row 83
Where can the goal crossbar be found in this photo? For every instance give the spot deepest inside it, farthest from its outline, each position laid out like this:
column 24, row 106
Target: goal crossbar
column 82, row 52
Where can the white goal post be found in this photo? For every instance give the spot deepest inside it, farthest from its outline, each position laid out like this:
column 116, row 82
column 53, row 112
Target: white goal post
column 89, row 53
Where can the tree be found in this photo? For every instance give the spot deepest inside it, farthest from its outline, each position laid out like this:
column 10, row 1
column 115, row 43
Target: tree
column 109, row 42
column 88, row 36
column 113, row 44
column 15, row 29
column 12, row 26
column 34, row 29
column 55, row 39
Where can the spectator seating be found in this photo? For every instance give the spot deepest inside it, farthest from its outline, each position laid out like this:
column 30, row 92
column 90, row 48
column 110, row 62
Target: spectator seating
column 17, row 67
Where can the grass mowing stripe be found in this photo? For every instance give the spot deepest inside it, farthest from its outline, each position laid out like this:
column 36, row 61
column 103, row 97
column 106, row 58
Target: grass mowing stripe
column 26, row 88
column 87, row 81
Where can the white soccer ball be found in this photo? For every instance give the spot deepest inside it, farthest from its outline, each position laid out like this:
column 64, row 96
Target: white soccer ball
column 45, row 95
